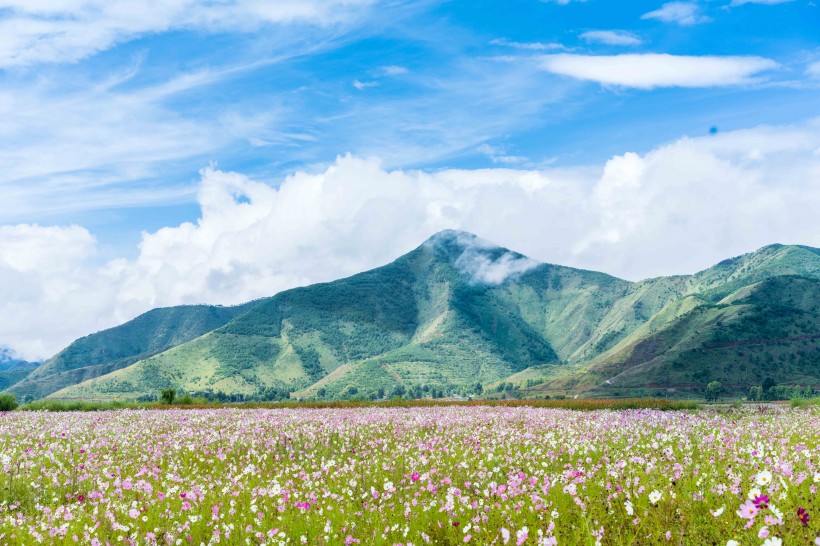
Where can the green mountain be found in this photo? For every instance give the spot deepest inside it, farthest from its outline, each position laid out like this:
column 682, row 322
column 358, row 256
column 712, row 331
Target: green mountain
column 459, row 311
column 104, row 352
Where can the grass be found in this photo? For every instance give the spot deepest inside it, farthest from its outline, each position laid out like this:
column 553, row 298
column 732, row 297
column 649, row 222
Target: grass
column 805, row 402
column 572, row 404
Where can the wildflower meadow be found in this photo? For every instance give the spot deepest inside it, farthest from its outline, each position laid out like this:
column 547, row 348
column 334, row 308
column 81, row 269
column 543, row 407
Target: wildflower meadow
column 411, row 476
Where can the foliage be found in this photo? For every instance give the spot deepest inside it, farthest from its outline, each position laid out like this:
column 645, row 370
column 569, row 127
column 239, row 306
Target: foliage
column 713, row 391
column 168, row 395
column 8, row 402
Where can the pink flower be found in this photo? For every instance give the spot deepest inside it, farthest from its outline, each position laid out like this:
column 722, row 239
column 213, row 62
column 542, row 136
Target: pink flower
column 186, row 505
column 763, row 533
column 133, row 513
column 748, row 510
column 414, row 477
column 505, row 535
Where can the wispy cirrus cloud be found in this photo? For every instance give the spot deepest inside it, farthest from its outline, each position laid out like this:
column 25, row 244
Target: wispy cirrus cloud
column 532, row 46
column 766, row 2
column 653, row 70
column 611, row 37
column 681, row 13
column 43, row 31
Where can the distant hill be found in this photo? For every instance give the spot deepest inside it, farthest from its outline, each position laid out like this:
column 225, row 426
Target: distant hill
column 459, row 314
column 12, row 369
column 101, row 353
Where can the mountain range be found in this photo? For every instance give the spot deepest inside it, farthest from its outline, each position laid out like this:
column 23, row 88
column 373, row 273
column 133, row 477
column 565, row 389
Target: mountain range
column 460, row 314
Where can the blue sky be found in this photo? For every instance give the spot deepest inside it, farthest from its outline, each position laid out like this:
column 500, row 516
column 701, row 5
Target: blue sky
column 116, row 113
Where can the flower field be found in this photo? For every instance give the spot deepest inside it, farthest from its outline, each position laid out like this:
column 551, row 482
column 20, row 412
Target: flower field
column 428, row 475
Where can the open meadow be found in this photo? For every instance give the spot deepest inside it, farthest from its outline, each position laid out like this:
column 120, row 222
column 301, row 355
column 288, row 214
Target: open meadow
column 421, row 475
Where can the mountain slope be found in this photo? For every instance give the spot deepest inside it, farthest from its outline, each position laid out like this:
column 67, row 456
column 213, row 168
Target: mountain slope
column 435, row 300
column 768, row 329
column 458, row 311
column 148, row 334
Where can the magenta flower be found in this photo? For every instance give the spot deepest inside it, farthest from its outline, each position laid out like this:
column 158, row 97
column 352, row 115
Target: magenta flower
column 803, row 516
column 414, row 477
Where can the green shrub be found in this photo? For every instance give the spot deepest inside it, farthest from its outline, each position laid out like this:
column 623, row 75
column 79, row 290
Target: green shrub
column 168, row 396
column 8, row 402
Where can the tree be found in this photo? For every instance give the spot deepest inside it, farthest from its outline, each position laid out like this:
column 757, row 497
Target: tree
column 168, row 395
column 713, row 391
column 321, row 392
column 479, row 388
column 756, row 393
column 8, row 402
column 768, row 384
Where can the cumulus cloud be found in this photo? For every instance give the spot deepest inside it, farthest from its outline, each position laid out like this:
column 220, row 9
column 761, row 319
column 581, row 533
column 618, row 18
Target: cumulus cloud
column 37, row 31
column 676, row 209
column 611, row 37
column 652, row 70
column 681, row 13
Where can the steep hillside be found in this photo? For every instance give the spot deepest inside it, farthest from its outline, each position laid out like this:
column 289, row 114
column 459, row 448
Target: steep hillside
column 769, row 329
column 101, row 353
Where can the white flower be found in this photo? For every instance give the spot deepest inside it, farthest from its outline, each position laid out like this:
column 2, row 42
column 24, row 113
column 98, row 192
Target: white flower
column 732, row 543
column 655, row 496
column 629, row 509
column 773, row 541
column 753, row 492
column 570, row 489
column 763, row 478
column 776, row 511
column 717, row 513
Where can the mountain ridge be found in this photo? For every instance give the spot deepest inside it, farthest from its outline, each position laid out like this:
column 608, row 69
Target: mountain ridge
column 459, row 311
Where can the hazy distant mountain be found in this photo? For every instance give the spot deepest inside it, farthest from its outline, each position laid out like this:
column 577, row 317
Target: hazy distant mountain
column 13, row 369
column 458, row 311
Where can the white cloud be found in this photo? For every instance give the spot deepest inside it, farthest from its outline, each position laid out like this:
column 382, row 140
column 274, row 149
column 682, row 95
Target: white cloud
column 499, row 155
column 767, row 2
column 813, row 70
column 676, row 209
column 651, row 70
column 611, row 37
column 392, row 70
column 682, row 13
column 532, row 46
column 364, row 85
column 37, row 31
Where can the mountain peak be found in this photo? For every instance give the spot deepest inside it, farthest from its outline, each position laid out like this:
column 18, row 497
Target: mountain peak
column 480, row 260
